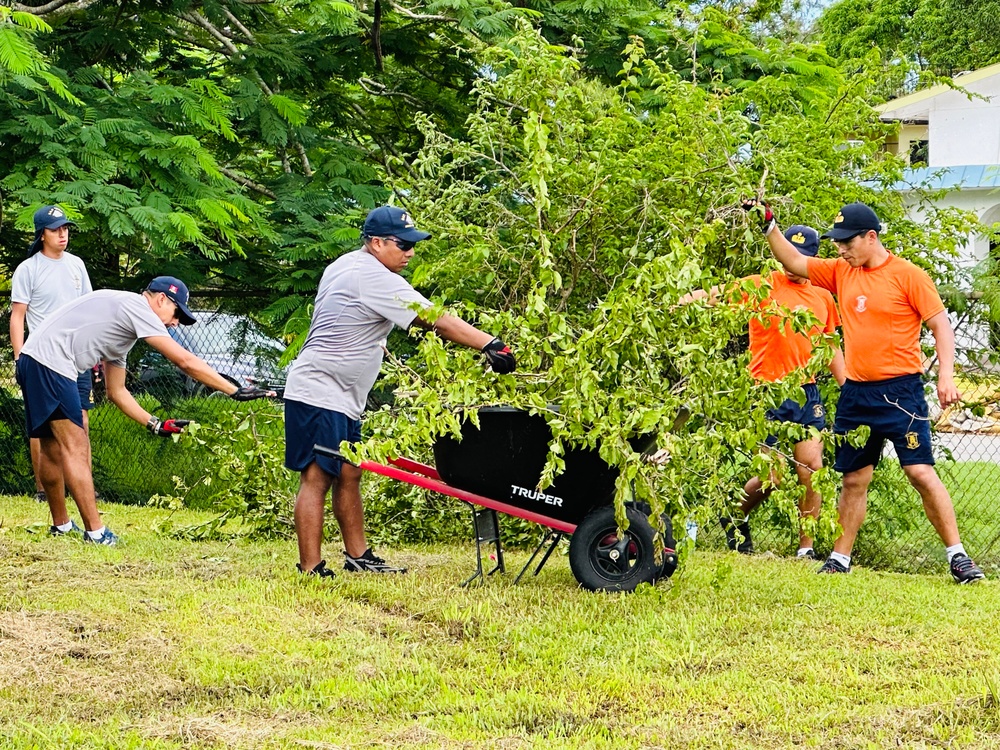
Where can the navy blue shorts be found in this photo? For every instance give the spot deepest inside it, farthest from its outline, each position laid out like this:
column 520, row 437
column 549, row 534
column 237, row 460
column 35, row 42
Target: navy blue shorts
column 47, row 396
column 809, row 414
column 306, row 426
column 85, row 385
column 896, row 410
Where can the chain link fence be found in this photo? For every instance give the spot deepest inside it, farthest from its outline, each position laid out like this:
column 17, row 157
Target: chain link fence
column 130, row 466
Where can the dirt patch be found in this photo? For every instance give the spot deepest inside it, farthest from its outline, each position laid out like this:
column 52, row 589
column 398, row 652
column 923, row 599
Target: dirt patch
column 239, row 731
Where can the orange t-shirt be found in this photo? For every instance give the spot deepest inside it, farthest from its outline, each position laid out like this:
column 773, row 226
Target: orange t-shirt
column 775, row 349
column 882, row 310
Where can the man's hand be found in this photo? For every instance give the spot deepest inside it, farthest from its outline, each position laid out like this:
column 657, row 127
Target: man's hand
column 251, row 393
column 767, row 220
column 499, row 356
column 947, row 392
column 167, row 427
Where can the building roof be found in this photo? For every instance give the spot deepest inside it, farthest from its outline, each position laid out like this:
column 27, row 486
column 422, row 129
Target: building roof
column 969, row 177
column 916, row 106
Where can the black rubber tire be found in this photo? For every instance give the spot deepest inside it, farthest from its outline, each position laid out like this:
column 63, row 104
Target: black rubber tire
column 669, row 552
column 602, row 561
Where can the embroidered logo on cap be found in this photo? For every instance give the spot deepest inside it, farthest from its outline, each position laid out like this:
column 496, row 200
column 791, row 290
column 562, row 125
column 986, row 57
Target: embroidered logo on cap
column 840, row 218
column 798, row 238
column 56, row 211
column 407, row 221
column 173, row 289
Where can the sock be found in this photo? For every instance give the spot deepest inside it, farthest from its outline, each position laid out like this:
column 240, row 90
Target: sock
column 803, row 551
column 97, row 534
column 955, row 549
column 844, row 560
column 68, row 526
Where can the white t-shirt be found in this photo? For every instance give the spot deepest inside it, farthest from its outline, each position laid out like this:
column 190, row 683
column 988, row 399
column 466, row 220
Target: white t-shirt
column 45, row 284
column 358, row 303
column 102, row 325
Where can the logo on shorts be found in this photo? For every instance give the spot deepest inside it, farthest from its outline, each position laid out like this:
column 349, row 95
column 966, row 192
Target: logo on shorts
column 912, row 440
column 818, row 410
column 862, row 303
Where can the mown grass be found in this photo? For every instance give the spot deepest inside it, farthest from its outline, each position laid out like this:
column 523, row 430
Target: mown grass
column 162, row 643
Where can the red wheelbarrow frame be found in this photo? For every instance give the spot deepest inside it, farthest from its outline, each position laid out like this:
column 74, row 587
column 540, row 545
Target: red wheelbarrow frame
column 484, row 517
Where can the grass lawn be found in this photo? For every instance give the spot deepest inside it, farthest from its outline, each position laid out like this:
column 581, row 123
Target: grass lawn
column 167, row 644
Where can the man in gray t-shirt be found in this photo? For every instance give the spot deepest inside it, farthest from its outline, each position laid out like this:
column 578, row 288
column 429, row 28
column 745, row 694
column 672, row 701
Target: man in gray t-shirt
column 100, row 326
column 48, row 279
column 361, row 298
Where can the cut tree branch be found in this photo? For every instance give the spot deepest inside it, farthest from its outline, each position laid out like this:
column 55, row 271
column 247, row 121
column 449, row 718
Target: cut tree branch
column 247, row 182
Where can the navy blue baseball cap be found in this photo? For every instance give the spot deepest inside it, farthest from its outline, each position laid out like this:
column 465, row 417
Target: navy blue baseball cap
column 853, row 219
column 177, row 291
column 392, row 221
column 805, row 239
column 47, row 217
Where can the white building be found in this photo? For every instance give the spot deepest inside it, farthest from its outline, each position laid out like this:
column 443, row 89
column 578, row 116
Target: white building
column 952, row 142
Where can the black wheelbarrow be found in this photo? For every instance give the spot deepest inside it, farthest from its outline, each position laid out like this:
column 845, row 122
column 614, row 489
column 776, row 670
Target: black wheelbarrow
column 496, row 469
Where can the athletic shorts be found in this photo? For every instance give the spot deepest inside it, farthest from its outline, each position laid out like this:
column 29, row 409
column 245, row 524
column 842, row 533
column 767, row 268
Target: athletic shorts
column 307, row 426
column 809, row 414
column 896, row 410
column 47, row 396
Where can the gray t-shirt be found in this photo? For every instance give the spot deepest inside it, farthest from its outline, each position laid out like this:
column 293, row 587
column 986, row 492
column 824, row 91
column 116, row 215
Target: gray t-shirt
column 358, row 303
column 102, row 325
column 45, row 284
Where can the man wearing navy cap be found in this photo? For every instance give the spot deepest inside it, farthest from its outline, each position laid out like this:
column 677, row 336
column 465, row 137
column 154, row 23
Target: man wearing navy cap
column 49, row 278
column 775, row 352
column 884, row 301
column 100, row 326
column 361, row 298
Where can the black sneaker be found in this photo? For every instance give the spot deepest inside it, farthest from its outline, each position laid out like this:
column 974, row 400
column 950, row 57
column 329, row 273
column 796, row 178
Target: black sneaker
column 963, row 570
column 737, row 535
column 320, row 571
column 833, row 566
column 809, row 554
column 74, row 529
column 40, row 497
column 368, row 563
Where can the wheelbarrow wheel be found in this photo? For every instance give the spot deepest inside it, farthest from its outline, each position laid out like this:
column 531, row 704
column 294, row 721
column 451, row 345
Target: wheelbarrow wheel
column 603, row 560
column 668, row 559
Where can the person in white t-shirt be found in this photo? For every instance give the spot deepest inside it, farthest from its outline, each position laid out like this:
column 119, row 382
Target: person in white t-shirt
column 361, row 298
column 101, row 326
column 48, row 279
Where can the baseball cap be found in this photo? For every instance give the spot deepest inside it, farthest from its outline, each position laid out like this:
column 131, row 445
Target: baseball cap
column 177, row 291
column 805, row 239
column 392, row 220
column 47, row 217
column 853, row 219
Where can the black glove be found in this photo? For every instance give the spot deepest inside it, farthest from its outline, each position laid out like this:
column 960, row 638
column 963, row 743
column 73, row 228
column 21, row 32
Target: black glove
column 499, row 356
column 167, row 427
column 767, row 220
column 249, row 393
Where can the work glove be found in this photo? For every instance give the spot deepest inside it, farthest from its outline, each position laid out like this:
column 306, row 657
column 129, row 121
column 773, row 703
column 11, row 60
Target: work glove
column 499, row 356
column 166, row 427
column 250, row 393
column 763, row 210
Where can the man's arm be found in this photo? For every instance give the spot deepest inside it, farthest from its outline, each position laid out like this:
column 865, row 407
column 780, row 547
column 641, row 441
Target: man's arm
column 192, row 366
column 783, row 250
column 456, row 330
column 838, row 368
column 944, row 343
column 17, row 312
column 119, row 395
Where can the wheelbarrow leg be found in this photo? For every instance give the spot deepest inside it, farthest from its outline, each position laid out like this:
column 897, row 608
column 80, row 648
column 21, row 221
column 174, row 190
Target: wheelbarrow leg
column 552, row 539
column 487, row 529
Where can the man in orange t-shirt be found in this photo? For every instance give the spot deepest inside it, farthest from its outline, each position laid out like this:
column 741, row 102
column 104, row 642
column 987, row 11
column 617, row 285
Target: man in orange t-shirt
column 775, row 351
column 883, row 301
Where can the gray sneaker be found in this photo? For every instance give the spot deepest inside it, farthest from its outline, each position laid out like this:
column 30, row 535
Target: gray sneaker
column 369, row 563
column 56, row 531
column 108, row 538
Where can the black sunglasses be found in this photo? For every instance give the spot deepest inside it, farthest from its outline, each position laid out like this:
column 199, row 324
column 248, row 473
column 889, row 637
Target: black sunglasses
column 401, row 244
